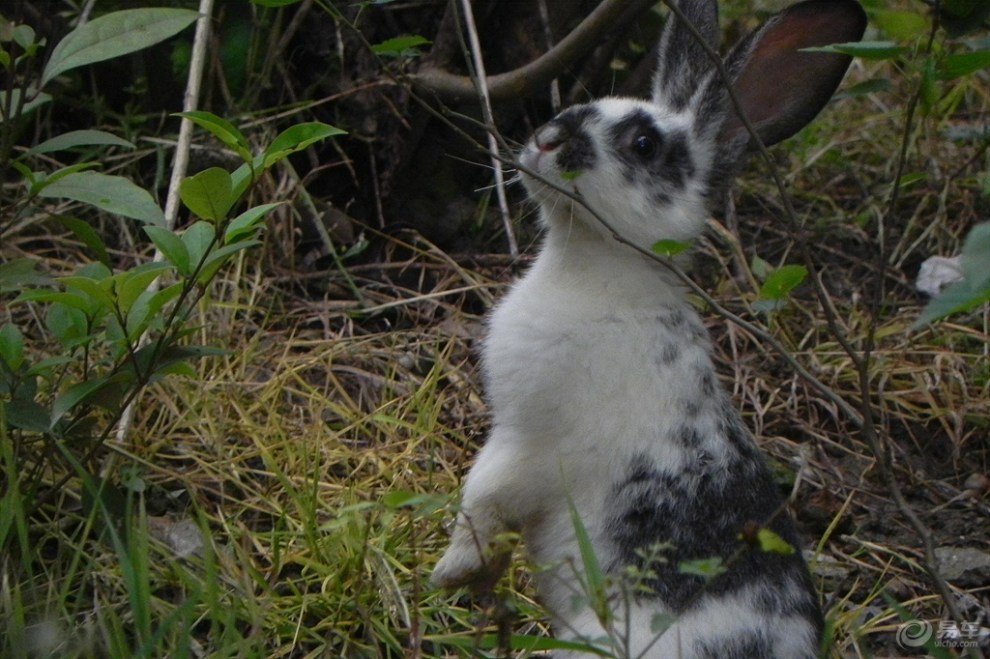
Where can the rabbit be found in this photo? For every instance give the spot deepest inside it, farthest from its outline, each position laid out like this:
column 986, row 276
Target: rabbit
column 609, row 426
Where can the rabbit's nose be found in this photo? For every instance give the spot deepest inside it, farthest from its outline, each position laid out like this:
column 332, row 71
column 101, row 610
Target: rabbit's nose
column 550, row 136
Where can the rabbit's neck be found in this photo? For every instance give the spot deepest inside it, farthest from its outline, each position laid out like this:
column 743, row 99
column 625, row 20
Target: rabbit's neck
column 584, row 266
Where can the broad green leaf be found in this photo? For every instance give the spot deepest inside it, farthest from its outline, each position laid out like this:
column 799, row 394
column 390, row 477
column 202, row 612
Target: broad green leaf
column 973, row 290
column 246, row 224
column 67, row 324
column 132, row 283
column 198, row 239
column 782, row 281
column 46, row 296
column 670, row 248
column 11, row 346
column 863, row 49
column 221, row 129
column 24, row 36
column 208, row 194
column 961, row 64
column 975, row 257
column 76, row 138
column 144, row 311
column 901, row 25
column 404, row 46
column 74, row 396
column 96, row 291
column 171, row 247
column 296, row 138
column 865, row 88
column 114, row 194
column 18, row 273
column 27, row 415
column 113, row 35
column 40, row 180
column 772, row 543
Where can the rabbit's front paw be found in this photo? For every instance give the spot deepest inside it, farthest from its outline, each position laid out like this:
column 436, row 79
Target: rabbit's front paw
column 472, row 561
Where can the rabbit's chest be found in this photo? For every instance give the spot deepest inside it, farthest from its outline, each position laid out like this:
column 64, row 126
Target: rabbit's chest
column 609, row 372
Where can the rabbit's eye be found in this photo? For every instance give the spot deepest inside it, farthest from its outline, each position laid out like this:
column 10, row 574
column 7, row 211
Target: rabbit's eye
column 644, row 146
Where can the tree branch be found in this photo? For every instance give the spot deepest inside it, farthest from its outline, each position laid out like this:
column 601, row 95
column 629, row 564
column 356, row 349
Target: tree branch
column 530, row 78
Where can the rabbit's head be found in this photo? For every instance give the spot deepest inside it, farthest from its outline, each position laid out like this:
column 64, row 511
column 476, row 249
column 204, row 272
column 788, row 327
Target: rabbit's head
column 650, row 167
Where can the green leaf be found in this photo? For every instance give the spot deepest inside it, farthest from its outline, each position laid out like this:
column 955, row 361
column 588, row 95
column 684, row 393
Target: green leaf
column 246, row 224
column 593, row 572
column 11, row 346
column 171, row 247
column 77, row 138
column 880, row 50
column 28, row 415
column 68, row 325
column 132, row 283
column 782, row 281
column 75, row 395
column 296, row 138
column 20, row 272
column 702, row 567
column 96, row 292
column 198, row 239
column 974, row 289
column 929, row 90
column 901, row 25
column 961, row 64
column 114, row 194
column 670, row 248
column 404, row 46
column 113, row 35
column 208, row 194
column 772, row 543
column 221, row 129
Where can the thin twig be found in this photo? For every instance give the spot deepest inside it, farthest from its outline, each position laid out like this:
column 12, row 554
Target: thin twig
column 486, row 112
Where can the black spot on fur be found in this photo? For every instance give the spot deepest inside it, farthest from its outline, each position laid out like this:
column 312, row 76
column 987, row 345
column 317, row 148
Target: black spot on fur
column 668, row 162
column 668, row 354
column 754, row 645
column 672, row 318
column 692, row 408
column 700, row 513
column 688, row 436
column 577, row 151
column 707, row 383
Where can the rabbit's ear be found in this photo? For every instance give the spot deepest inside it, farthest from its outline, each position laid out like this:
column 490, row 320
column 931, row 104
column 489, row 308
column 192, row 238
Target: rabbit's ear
column 779, row 87
column 682, row 62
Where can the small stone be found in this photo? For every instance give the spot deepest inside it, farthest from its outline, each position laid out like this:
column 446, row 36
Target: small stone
column 964, row 566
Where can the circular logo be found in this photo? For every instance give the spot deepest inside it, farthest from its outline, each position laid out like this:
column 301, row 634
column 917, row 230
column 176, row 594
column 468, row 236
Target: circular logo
column 914, row 634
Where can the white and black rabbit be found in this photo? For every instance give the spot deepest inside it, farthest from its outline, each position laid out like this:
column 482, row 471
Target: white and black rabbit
column 599, row 375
